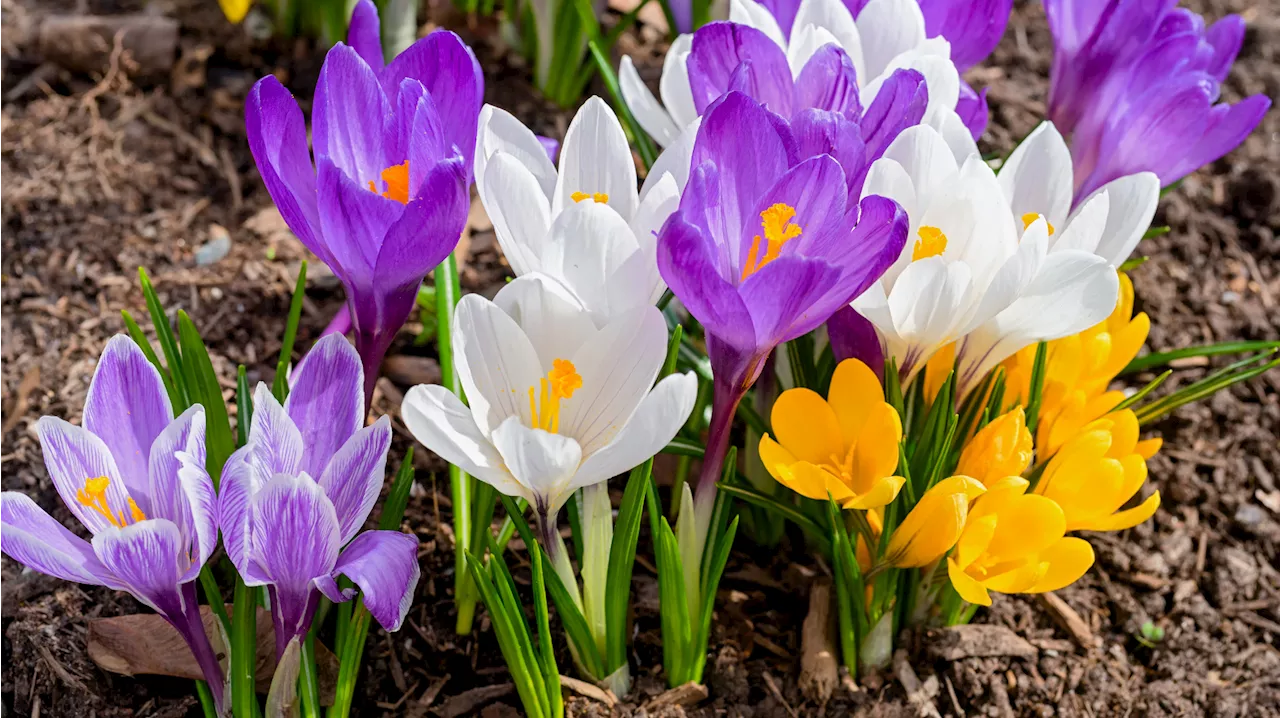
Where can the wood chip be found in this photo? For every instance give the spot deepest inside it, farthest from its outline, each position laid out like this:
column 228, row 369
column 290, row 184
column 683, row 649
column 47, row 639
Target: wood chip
column 22, row 398
column 689, row 694
column 978, row 641
column 1067, row 617
column 466, row 703
column 589, row 690
column 819, row 668
column 920, row 695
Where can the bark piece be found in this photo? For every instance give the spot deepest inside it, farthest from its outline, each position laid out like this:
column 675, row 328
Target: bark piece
column 1067, row 617
column 978, row 641
column 819, row 668
column 685, row 695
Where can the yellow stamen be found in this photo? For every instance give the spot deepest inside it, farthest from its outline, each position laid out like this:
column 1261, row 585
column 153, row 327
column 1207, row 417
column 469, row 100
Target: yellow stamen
column 778, row 230
column 94, row 496
column 396, row 178
column 598, row 197
column 932, row 242
column 560, row 383
column 1031, row 217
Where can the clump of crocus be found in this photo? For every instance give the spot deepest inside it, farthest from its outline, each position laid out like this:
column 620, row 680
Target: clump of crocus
column 135, row 478
column 295, row 497
column 844, row 447
column 386, row 198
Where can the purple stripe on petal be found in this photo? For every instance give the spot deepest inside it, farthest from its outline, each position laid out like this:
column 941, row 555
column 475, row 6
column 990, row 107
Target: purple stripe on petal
column 147, row 558
column 181, row 489
column 364, row 34
column 34, row 539
column 72, row 455
column 278, row 140
column 127, row 407
column 326, row 400
column 295, row 539
column 354, row 477
column 854, row 337
column 722, row 50
column 828, row 81
column 384, row 564
column 275, row 443
column 349, row 118
column 235, row 494
column 899, row 104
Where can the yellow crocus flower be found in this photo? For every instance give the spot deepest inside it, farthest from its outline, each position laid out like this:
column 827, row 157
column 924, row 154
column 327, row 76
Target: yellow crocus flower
column 1002, row 448
column 1078, row 370
column 235, row 10
column 935, row 523
column 1014, row 542
column 845, row 446
column 1097, row 471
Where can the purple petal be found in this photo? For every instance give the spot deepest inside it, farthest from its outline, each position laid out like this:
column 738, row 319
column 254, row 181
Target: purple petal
column 72, row 455
column 1225, row 37
column 349, row 118
column 688, row 268
column 551, row 145
column 354, row 220
column 127, row 407
column 275, row 443
column 364, row 34
column 180, row 488
column 35, row 540
column 973, row 27
column 1228, row 126
column 816, row 190
column 879, row 236
column 723, row 51
column 148, row 559
column 854, row 337
column 278, row 140
column 827, row 133
column 973, row 110
column 235, row 494
column 899, row 104
column 449, row 70
column 384, row 564
column 326, row 400
column 295, row 539
column 682, row 14
column 354, row 477
column 426, row 145
column 427, row 232
column 828, row 81
column 782, row 294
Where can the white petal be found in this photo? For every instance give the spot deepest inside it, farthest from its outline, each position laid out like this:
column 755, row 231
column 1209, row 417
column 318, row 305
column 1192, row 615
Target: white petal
column 1132, row 207
column 954, row 132
column 658, row 201
column 500, row 131
column 1037, row 177
column 753, row 14
column 677, row 93
column 1085, row 227
column 644, row 106
column 1014, row 275
column 929, row 299
column 542, row 462
column 520, row 212
column 655, row 423
column 495, row 361
column 441, row 422
column 549, row 314
column 617, row 370
column 974, row 215
column 805, row 42
column 927, row 160
column 834, row 17
column 674, row 160
column 889, row 28
column 589, row 242
column 595, row 158
column 940, row 77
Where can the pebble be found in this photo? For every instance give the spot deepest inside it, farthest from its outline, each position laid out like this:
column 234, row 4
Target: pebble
column 218, row 246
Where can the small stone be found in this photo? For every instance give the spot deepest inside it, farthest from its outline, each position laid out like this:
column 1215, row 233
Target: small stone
column 1250, row 516
column 218, row 246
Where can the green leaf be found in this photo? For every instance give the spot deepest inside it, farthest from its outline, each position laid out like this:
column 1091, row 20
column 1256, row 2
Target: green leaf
column 550, row 673
column 280, row 385
column 676, row 627
column 168, row 344
column 622, row 560
column 684, row 447
column 1156, row 359
column 1234, row 374
column 203, row 388
column 393, row 508
column 511, row 631
column 1037, row 386
column 1132, row 264
column 1143, row 392
column 769, row 503
column 711, row 581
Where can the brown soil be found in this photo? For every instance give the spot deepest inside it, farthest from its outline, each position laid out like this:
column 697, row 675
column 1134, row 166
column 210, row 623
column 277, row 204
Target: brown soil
column 108, row 172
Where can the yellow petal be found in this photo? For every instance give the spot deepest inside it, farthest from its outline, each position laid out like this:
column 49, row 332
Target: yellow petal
column 1027, row 525
column 773, row 456
column 1002, row 448
column 941, row 364
column 969, row 589
column 813, row 482
column 1124, row 433
column 975, row 539
column 875, row 454
column 881, row 494
column 855, row 392
column 1128, row 518
column 1017, row 576
column 1068, row 560
column 235, row 10
column 1148, row 447
column 933, row 526
column 804, row 423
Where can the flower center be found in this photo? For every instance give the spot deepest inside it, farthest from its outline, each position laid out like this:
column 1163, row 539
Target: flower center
column 559, row 383
column 1031, row 217
column 778, row 230
column 598, row 197
column 396, row 177
column 932, row 242
column 94, row 495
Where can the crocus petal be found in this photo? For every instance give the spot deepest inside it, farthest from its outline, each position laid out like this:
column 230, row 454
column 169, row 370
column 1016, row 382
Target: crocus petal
column 443, row 424
column 753, row 15
column 596, row 159
column 1132, row 206
column 589, row 242
column 968, row 588
column 972, row 110
column 147, row 558
column 444, row 64
column 127, row 407
column 424, row 235
column 806, row 426
column 833, row 17
column 275, row 443
column 541, row 461
column 495, row 362
column 688, row 267
column 1128, row 518
column 72, row 455
column 900, row 103
column 728, row 56
column 353, row 479
column 326, row 400
column 35, row 540
column 181, row 489
column 278, row 140
column 674, row 86
column 384, row 564
column 888, row 28
column 828, row 81
column 549, row 313
column 646, row 108
column 1037, row 177
column 348, row 119
column 854, row 337
column 354, row 221
column 1068, row 560
column 781, row 297
column 236, row 488
column 295, row 539
column 653, row 425
column 364, row 34
column 675, row 161
column 973, row 28
column 501, row 132
column 520, row 212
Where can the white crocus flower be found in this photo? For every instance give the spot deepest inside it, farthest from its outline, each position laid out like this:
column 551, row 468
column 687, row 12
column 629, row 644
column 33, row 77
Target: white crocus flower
column 585, row 223
column 557, row 402
column 887, row 35
column 965, row 273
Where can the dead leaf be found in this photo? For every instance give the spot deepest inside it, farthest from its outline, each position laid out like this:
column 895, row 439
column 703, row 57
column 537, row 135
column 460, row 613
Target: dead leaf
column 22, row 398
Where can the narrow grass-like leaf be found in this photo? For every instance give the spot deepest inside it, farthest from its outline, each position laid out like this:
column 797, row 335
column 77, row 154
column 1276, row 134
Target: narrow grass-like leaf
column 280, row 385
column 202, row 383
column 140, row 338
column 622, row 560
column 1143, row 392
column 1150, row 361
column 1036, row 393
column 168, row 343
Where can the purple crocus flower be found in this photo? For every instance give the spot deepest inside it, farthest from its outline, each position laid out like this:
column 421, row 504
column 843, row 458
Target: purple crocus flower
column 134, row 476
column 301, row 489
column 766, row 244
column 386, row 199
column 854, row 337
column 1136, row 84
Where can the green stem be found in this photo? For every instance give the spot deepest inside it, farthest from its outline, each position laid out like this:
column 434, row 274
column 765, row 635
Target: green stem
column 308, row 681
column 349, row 662
column 213, row 595
column 244, row 651
column 206, row 700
